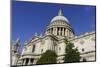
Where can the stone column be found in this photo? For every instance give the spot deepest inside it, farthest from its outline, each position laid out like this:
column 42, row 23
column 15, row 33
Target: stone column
column 57, row 31
column 24, row 61
column 50, row 30
column 62, row 31
column 50, row 46
column 53, row 45
column 68, row 33
column 34, row 62
column 65, row 32
column 29, row 62
column 54, row 29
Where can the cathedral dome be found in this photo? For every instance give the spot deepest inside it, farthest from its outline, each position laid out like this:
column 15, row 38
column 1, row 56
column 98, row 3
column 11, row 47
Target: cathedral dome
column 60, row 26
column 59, row 17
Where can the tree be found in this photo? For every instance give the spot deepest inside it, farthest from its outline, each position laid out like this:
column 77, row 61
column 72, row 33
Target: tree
column 49, row 57
column 72, row 53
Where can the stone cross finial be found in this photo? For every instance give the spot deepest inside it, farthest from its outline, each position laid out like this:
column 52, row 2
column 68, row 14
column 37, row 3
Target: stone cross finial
column 60, row 12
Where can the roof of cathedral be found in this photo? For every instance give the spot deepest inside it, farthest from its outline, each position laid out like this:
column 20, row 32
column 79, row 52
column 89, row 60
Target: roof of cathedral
column 59, row 17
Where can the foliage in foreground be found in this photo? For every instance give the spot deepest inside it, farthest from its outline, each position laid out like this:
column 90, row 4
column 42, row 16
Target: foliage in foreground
column 49, row 57
column 72, row 53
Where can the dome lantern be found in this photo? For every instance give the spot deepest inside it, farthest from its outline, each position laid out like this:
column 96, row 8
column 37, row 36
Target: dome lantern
column 60, row 12
column 60, row 17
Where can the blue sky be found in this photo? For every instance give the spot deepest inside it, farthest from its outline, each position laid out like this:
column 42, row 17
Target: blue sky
column 31, row 17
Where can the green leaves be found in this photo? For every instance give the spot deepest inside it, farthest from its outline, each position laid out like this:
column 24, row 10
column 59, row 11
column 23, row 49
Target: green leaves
column 49, row 57
column 72, row 55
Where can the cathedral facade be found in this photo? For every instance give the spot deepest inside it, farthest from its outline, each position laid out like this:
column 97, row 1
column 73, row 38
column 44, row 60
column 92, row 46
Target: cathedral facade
column 57, row 32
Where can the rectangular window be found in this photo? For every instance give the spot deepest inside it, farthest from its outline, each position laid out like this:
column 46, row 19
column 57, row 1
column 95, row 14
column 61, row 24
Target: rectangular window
column 33, row 48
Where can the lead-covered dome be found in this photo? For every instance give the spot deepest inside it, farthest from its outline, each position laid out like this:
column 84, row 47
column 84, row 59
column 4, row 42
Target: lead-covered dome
column 60, row 17
column 60, row 26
